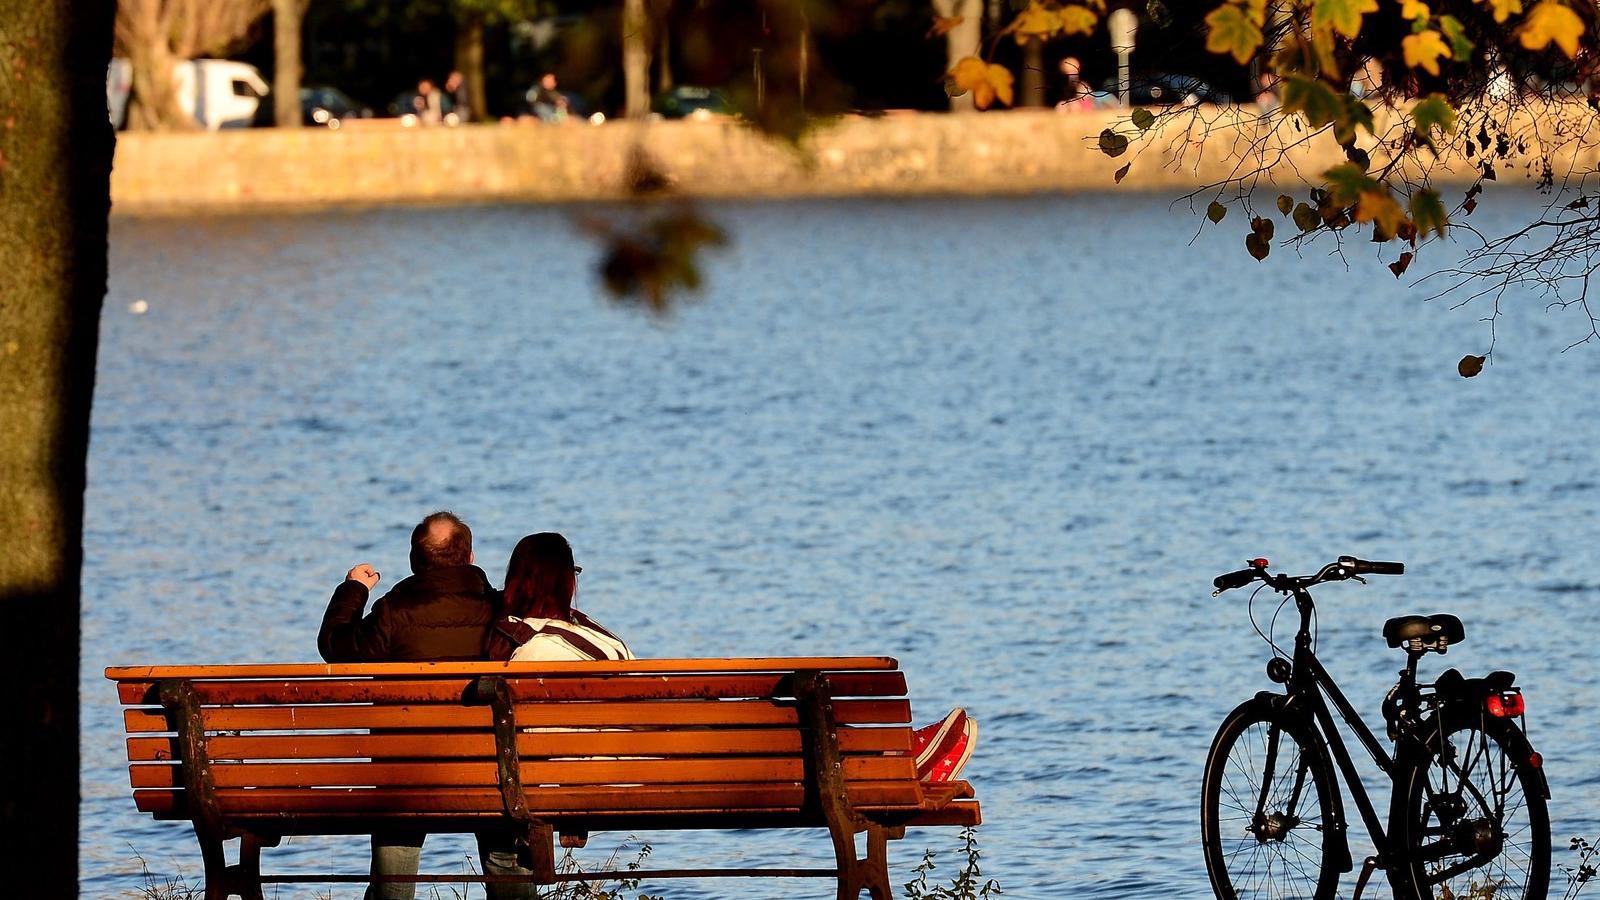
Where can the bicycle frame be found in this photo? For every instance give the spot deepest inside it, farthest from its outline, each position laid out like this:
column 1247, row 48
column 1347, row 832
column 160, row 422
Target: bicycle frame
column 1308, row 683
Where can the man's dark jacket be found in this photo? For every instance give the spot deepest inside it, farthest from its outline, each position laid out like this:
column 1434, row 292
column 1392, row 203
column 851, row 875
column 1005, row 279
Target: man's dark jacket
column 442, row 614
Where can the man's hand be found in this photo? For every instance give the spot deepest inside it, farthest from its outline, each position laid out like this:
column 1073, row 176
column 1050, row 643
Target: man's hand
column 365, row 574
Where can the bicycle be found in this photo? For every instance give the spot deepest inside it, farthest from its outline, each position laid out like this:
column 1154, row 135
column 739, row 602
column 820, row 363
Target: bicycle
column 1467, row 816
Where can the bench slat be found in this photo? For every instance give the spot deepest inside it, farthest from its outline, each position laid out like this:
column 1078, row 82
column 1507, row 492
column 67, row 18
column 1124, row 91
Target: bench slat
column 538, row 715
column 484, row 774
column 474, row 669
column 619, row 687
column 447, row 744
column 543, row 802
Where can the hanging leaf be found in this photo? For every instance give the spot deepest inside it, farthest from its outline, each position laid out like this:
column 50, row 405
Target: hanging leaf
column 943, row 25
column 1113, row 144
column 1461, row 46
column 1342, row 16
column 1306, row 218
column 1432, row 114
column 1076, row 19
column 1399, row 266
column 1504, row 9
column 1551, row 22
column 1428, row 212
column 1229, row 30
column 1285, row 203
column 1143, row 118
column 1381, row 209
column 1257, row 246
column 1216, row 211
column 1414, row 10
column 1121, row 173
column 1424, row 50
column 987, row 82
column 1470, row 365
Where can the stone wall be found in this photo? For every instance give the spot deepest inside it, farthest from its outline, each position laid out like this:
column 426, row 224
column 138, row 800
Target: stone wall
column 380, row 162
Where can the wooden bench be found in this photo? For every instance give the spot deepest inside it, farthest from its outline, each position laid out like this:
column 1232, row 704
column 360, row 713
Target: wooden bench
column 263, row 751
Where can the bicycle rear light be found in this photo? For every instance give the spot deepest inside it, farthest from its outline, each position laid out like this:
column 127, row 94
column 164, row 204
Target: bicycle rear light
column 1536, row 759
column 1507, row 705
column 1260, row 562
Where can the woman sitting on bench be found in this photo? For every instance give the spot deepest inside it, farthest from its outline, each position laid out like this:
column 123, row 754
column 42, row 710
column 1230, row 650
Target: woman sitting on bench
column 538, row 621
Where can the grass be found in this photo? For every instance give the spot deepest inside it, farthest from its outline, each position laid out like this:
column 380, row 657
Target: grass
column 966, row 883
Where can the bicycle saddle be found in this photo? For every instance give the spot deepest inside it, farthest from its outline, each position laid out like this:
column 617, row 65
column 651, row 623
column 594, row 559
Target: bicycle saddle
column 1424, row 632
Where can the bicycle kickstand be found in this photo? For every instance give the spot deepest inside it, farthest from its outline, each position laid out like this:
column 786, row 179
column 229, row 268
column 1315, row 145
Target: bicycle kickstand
column 1367, row 868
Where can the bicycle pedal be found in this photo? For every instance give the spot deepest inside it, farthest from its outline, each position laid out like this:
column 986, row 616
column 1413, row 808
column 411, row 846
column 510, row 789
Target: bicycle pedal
column 1368, row 866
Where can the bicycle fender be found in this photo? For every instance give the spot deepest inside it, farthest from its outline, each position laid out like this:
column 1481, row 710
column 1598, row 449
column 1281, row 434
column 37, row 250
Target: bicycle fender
column 1273, row 701
column 1516, row 742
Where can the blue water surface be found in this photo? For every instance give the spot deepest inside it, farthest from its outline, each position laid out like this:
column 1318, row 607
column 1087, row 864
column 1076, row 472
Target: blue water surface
column 1008, row 441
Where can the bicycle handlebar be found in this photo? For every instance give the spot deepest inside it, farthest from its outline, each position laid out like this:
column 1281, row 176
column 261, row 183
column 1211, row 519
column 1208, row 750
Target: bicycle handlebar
column 1232, row 580
column 1345, row 567
column 1371, row 567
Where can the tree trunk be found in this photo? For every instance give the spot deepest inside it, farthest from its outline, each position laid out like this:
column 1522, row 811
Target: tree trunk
column 664, row 60
column 635, row 59
column 287, row 17
column 1032, row 92
column 469, row 62
column 153, row 100
column 961, row 41
column 55, row 194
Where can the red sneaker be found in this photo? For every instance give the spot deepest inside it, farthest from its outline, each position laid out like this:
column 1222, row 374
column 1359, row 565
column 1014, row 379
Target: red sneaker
column 944, row 747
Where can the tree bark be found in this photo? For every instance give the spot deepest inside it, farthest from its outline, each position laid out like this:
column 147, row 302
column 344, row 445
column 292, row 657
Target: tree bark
column 635, row 59
column 55, row 194
column 961, row 41
column 287, row 19
column 1032, row 88
column 469, row 62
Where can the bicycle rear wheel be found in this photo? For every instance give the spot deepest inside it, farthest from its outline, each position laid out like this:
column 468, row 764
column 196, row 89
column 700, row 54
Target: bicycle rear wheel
column 1475, row 822
column 1266, row 810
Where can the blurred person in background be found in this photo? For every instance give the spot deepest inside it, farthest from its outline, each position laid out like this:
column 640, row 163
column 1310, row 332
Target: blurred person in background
column 1076, row 95
column 455, row 88
column 545, row 102
column 429, row 103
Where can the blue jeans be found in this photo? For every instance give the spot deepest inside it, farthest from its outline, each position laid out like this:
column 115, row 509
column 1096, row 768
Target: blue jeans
column 398, row 853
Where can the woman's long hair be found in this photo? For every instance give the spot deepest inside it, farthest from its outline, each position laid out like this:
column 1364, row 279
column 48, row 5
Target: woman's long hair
column 540, row 578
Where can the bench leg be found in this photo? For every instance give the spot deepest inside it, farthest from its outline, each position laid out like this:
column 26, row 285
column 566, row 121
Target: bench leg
column 870, row 874
column 242, row 880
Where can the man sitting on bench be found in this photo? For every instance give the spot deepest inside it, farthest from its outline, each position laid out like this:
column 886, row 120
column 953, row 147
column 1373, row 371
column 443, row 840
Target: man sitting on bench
column 441, row 613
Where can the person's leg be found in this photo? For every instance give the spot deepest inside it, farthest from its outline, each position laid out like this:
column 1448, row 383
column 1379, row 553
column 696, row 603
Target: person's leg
column 395, row 853
column 497, row 849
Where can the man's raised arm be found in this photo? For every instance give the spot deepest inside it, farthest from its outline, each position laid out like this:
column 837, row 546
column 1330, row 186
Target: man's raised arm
column 346, row 635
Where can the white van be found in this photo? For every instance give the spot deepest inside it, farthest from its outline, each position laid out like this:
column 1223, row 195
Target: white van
column 219, row 93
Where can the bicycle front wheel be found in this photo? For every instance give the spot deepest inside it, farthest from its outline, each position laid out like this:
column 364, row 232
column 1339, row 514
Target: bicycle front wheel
column 1266, row 810
column 1475, row 822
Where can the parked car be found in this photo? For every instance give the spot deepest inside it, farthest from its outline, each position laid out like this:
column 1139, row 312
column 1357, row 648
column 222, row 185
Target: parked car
column 218, row 93
column 330, row 107
column 1167, row 89
column 688, row 100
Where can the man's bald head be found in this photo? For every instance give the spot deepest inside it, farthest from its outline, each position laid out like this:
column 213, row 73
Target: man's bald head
column 440, row 541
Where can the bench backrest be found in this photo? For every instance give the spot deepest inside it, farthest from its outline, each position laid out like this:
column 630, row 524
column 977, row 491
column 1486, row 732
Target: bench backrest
column 663, row 737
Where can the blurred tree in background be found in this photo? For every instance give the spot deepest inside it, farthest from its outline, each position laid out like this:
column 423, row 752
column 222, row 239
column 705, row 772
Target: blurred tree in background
column 155, row 34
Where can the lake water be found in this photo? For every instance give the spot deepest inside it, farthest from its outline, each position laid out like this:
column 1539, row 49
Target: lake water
column 1008, row 441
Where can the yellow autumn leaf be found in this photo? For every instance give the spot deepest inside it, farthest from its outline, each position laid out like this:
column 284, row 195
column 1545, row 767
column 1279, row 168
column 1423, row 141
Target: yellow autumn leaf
column 1504, row 9
column 1035, row 22
column 1229, row 30
column 1077, row 19
column 943, row 25
column 1380, row 207
column 987, row 81
column 1343, row 16
column 1414, row 9
column 1551, row 21
column 1423, row 50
